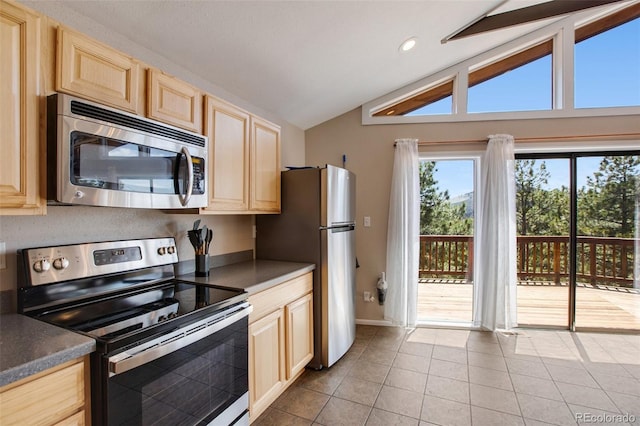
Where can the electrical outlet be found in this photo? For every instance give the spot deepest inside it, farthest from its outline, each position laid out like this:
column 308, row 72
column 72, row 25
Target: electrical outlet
column 367, row 296
column 3, row 255
column 254, row 231
column 367, row 221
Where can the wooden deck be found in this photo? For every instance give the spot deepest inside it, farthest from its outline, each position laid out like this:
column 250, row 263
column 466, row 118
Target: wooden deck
column 539, row 304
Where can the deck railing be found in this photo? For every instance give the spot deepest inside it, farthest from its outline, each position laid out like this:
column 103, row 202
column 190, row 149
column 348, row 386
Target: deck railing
column 600, row 260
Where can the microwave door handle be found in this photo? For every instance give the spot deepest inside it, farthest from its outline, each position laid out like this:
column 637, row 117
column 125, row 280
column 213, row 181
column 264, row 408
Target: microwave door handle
column 187, row 196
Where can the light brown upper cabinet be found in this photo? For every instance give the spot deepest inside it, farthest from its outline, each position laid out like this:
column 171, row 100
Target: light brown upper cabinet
column 228, row 130
column 265, row 167
column 173, row 101
column 94, row 71
column 244, row 160
column 22, row 161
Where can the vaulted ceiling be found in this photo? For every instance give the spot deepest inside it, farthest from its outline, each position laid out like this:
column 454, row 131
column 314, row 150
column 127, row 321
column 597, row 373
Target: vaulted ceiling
column 307, row 61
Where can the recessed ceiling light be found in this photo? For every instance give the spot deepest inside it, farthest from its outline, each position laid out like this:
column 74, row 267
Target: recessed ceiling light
column 408, row 44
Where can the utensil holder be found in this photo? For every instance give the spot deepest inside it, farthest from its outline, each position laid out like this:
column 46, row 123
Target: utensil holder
column 202, row 265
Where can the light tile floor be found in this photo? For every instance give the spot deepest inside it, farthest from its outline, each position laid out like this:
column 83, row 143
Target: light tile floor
column 393, row 376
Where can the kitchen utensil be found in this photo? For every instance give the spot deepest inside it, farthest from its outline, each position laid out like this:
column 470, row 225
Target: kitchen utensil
column 209, row 239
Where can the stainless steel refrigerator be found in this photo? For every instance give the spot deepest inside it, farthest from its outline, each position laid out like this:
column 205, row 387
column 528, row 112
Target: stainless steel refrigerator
column 317, row 225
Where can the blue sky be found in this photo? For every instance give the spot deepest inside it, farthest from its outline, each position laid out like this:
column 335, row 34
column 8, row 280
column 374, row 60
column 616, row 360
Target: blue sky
column 456, row 176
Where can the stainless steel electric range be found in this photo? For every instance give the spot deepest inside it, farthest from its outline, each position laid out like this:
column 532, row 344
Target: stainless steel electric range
column 169, row 352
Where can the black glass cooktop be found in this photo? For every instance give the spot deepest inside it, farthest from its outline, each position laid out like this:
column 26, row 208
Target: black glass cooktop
column 192, row 297
column 144, row 311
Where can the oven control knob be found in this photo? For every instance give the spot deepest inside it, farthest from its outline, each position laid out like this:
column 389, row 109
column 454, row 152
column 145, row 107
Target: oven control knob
column 42, row 265
column 61, row 263
column 171, row 249
column 162, row 251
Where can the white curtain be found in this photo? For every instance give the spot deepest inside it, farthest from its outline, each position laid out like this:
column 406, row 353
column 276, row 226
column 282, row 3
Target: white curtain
column 497, row 276
column 403, row 236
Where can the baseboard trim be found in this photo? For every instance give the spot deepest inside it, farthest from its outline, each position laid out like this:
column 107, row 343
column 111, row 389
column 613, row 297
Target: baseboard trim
column 384, row 323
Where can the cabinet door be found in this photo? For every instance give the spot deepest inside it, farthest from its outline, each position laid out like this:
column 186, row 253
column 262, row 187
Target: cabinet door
column 266, row 361
column 50, row 397
column 228, row 130
column 173, row 101
column 265, row 166
column 22, row 159
column 299, row 317
column 96, row 72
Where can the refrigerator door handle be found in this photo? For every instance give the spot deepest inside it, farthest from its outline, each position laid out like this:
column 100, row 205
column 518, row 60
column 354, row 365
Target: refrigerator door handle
column 339, row 228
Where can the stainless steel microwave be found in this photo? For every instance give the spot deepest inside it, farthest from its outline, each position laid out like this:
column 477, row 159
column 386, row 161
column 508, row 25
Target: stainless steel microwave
column 100, row 156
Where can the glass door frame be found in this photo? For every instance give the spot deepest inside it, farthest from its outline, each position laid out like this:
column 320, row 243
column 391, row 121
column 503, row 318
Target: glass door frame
column 573, row 225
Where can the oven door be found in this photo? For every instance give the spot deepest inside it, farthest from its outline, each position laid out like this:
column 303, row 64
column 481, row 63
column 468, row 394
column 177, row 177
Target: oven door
column 109, row 166
column 196, row 375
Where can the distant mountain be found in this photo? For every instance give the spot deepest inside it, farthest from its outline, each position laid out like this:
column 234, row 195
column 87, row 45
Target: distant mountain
column 467, row 200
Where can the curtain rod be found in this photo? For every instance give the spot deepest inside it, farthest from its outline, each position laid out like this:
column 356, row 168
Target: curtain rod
column 541, row 139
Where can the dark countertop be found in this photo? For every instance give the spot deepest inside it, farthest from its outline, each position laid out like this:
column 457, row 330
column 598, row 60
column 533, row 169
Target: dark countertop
column 253, row 275
column 29, row 346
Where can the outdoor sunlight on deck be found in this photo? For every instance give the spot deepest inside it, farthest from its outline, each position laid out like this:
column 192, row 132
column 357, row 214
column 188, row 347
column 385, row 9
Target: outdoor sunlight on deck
column 541, row 304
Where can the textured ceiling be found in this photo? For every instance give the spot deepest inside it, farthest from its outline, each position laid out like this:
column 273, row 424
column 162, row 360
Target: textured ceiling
column 307, row 61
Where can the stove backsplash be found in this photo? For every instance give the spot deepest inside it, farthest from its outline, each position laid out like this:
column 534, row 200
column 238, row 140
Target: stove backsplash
column 232, row 239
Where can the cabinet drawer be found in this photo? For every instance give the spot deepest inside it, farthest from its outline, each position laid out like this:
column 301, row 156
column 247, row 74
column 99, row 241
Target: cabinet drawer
column 47, row 399
column 277, row 297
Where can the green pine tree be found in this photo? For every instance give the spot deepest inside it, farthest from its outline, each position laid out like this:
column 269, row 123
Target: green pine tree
column 607, row 205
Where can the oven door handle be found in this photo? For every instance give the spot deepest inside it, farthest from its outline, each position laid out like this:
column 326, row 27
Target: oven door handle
column 187, row 196
column 172, row 342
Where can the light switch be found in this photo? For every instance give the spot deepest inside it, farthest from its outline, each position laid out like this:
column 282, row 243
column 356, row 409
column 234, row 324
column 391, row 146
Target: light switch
column 367, row 221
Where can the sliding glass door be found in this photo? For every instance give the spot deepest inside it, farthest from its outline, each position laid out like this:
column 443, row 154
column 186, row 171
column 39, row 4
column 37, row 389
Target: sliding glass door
column 542, row 219
column 607, row 262
column 578, row 240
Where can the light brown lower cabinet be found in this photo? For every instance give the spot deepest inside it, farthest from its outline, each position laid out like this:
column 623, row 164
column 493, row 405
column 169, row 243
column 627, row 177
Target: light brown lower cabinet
column 280, row 340
column 58, row 396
